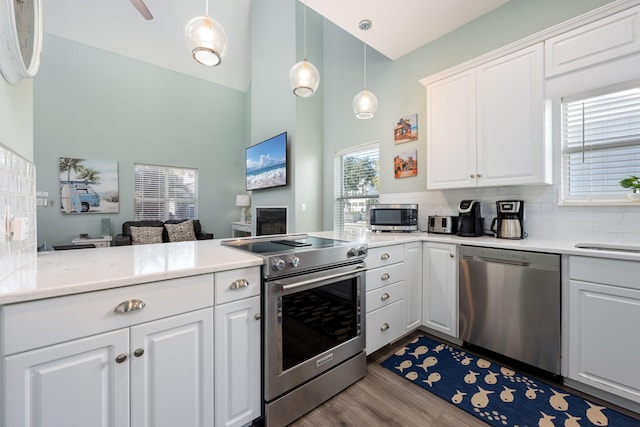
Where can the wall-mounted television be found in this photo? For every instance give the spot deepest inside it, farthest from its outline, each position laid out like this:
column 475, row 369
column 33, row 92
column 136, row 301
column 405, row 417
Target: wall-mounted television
column 267, row 163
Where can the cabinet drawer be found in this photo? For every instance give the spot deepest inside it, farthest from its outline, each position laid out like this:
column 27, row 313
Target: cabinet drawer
column 377, row 257
column 237, row 284
column 385, row 325
column 39, row 323
column 385, row 276
column 386, row 295
column 605, row 270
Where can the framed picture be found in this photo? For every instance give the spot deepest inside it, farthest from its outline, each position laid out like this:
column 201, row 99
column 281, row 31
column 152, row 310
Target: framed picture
column 405, row 164
column 88, row 186
column 406, row 129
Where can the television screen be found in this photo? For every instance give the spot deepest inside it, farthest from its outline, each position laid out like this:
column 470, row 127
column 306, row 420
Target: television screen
column 267, row 163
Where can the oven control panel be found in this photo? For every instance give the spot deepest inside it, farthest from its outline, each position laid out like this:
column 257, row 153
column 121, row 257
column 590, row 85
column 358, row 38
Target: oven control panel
column 299, row 262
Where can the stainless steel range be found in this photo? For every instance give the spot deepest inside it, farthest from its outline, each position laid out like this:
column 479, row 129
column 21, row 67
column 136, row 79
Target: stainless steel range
column 313, row 298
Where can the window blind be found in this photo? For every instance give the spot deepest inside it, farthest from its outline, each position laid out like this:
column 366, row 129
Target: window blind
column 600, row 145
column 356, row 185
column 163, row 193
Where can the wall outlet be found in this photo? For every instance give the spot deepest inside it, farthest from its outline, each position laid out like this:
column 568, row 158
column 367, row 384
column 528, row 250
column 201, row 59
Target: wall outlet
column 20, row 228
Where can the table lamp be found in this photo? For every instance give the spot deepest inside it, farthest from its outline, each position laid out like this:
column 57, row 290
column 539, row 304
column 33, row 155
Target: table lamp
column 243, row 201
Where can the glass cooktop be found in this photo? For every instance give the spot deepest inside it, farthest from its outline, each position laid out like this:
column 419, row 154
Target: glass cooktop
column 284, row 243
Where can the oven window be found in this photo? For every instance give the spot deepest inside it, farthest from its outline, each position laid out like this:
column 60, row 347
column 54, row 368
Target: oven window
column 318, row 319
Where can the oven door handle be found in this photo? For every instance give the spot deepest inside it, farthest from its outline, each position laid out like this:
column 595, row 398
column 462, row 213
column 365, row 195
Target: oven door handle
column 311, row 282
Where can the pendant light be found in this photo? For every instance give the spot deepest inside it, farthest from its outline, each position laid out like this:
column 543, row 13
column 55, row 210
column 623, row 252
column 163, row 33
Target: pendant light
column 304, row 76
column 206, row 39
column 365, row 103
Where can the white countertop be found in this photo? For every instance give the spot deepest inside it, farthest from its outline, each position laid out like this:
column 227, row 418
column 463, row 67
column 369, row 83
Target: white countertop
column 84, row 270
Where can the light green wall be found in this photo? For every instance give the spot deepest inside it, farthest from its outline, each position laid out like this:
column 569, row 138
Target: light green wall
column 16, row 117
column 276, row 25
column 93, row 104
column 396, row 83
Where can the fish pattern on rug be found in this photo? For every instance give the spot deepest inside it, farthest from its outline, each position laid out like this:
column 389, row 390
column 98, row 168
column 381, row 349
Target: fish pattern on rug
column 493, row 393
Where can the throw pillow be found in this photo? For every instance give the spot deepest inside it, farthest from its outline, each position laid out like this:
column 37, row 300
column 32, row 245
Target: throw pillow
column 144, row 235
column 181, row 232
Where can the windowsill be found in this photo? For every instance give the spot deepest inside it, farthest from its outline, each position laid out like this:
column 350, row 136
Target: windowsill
column 604, row 203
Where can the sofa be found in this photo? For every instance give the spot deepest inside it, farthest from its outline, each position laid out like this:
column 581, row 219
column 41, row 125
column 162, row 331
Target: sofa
column 152, row 231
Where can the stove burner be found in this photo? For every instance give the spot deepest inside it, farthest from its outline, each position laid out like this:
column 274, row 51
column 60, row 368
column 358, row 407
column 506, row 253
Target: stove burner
column 294, row 243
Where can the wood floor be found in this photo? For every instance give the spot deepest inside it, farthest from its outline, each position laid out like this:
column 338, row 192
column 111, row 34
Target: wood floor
column 383, row 398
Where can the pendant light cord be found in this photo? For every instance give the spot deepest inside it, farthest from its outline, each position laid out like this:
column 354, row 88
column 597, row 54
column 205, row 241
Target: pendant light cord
column 365, row 58
column 304, row 20
column 206, row 7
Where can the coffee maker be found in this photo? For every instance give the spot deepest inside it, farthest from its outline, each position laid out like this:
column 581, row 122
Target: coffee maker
column 508, row 223
column 470, row 221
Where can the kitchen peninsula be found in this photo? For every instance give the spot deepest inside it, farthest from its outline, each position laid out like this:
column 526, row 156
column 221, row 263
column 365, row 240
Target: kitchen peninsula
column 158, row 308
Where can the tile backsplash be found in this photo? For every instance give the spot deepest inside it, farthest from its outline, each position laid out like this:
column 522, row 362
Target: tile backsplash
column 17, row 199
column 544, row 219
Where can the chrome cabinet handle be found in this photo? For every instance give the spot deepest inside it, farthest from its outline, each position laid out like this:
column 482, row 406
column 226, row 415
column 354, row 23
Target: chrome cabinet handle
column 129, row 305
column 384, row 296
column 472, row 176
column 121, row 358
column 139, row 352
column 385, row 276
column 479, row 175
column 385, row 256
column 258, row 316
column 239, row 284
column 384, row 327
column 451, row 255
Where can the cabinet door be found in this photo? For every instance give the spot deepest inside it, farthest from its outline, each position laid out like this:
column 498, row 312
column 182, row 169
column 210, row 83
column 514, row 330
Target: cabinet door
column 440, row 281
column 511, row 145
column 603, row 321
column 237, row 362
column 74, row 384
column 172, row 371
column 413, row 279
column 451, row 132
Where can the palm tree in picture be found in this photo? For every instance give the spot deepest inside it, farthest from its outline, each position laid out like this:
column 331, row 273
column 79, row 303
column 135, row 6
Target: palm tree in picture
column 89, row 175
column 68, row 164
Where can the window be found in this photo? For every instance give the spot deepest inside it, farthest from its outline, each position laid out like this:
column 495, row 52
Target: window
column 356, row 186
column 163, row 192
column 600, row 144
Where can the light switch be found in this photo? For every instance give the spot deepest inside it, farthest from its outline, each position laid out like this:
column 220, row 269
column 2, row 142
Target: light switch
column 20, row 228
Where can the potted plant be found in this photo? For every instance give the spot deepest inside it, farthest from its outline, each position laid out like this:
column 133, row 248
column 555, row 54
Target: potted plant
column 632, row 182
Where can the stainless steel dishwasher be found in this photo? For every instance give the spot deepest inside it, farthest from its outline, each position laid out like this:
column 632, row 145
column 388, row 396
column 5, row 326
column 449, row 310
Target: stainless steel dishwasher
column 510, row 304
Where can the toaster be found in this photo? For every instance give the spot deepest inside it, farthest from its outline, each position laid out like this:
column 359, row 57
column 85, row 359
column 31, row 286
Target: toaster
column 442, row 224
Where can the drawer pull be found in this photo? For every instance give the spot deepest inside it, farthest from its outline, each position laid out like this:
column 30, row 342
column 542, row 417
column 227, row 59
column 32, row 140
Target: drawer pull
column 121, row 358
column 258, row 316
column 129, row 305
column 384, row 327
column 139, row 352
column 451, row 255
column 384, row 296
column 385, row 256
column 239, row 284
column 385, row 276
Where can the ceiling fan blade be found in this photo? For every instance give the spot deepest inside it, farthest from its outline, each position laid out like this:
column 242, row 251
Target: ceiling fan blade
column 142, row 8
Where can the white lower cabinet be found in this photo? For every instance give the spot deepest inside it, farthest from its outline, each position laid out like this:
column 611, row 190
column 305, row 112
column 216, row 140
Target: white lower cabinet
column 237, row 361
column 74, row 384
column 393, row 298
column 155, row 374
column 604, row 314
column 440, row 288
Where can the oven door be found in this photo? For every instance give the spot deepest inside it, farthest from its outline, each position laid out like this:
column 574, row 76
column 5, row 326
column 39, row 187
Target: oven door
column 313, row 322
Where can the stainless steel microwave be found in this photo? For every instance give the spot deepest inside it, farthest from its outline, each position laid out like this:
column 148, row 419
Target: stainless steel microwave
column 393, row 217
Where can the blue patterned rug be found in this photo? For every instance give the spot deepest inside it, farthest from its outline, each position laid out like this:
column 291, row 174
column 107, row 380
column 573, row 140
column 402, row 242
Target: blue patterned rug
column 497, row 395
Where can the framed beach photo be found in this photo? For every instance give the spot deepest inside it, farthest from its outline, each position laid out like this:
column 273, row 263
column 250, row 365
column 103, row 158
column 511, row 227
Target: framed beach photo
column 406, row 129
column 405, row 164
column 88, row 186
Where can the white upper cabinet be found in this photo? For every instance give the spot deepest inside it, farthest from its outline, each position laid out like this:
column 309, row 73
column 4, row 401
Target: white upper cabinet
column 609, row 38
column 485, row 125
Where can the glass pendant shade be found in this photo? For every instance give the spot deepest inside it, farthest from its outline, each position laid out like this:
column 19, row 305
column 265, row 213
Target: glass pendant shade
column 304, row 79
column 206, row 40
column 365, row 104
